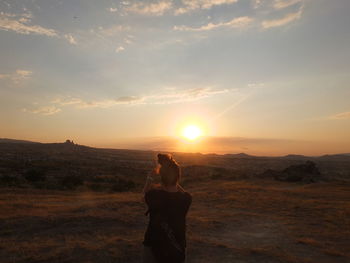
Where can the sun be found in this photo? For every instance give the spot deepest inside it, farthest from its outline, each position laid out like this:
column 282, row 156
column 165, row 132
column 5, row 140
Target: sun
column 191, row 132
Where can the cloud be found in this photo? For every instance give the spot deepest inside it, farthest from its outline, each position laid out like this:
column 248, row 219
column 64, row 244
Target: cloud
column 156, row 9
column 68, row 101
column 119, row 49
column 266, row 24
column 179, row 96
column 81, row 104
column 191, row 5
column 126, row 100
column 340, row 116
column 256, row 3
column 111, row 9
column 129, row 39
column 70, row 39
column 239, row 22
column 280, row 4
column 20, row 24
column 18, row 76
column 46, row 110
column 113, row 30
column 256, row 85
column 23, row 73
column 169, row 97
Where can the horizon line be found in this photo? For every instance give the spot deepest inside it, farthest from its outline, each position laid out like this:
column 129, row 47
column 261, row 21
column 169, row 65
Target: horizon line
column 182, row 152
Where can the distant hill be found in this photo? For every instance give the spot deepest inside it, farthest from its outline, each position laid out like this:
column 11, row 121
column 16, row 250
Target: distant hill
column 240, row 155
column 6, row 140
column 295, row 156
column 343, row 156
column 68, row 157
column 68, row 144
column 335, row 155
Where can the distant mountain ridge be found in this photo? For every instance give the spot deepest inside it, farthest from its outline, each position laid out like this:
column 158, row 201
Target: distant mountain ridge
column 6, row 140
column 240, row 155
column 294, row 156
column 231, row 155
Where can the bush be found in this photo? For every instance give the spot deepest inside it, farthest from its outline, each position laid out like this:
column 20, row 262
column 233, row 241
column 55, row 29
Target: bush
column 96, row 187
column 216, row 176
column 103, row 179
column 35, row 175
column 121, row 185
column 8, row 180
column 71, row 182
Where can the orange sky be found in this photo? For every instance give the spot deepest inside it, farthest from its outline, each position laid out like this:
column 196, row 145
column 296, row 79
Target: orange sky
column 263, row 77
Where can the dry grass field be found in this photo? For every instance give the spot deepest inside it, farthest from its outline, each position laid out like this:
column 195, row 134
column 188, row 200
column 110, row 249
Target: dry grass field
column 229, row 221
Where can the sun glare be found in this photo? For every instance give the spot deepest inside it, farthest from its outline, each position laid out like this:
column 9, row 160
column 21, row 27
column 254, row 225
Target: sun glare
column 191, row 132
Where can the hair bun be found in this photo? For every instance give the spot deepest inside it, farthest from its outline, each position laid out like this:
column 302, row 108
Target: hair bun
column 166, row 159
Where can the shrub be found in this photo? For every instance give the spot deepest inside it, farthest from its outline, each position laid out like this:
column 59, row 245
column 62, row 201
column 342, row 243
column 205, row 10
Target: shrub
column 216, row 176
column 8, row 180
column 121, row 185
column 71, row 182
column 103, row 179
column 35, row 175
column 96, row 187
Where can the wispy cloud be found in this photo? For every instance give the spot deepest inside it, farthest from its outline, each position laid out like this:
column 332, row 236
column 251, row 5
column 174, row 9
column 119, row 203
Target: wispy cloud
column 280, row 4
column 266, row 24
column 191, row 5
column 70, row 39
column 129, row 39
column 18, row 76
column 82, row 104
column 112, row 9
column 157, row 9
column 168, row 97
column 256, row 85
column 113, row 30
column 179, row 96
column 67, row 101
column 340, row 116
column 21, row 24
column 239, row 22
column 23, row 73
column 46, row 110
column 119, row 49
column 256, row 3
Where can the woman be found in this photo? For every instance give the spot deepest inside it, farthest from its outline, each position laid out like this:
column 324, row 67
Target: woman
column 168, row 204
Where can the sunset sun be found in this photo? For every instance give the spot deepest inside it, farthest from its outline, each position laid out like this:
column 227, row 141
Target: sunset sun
column 191, row 132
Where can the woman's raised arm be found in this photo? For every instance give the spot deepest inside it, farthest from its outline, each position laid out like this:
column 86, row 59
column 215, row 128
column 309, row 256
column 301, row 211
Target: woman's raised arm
column 149, row 182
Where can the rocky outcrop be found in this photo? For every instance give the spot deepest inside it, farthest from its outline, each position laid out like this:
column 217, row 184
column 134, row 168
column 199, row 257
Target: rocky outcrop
column 307, row 172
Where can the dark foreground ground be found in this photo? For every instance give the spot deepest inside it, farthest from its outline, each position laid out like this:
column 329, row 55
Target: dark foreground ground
column 230, row 221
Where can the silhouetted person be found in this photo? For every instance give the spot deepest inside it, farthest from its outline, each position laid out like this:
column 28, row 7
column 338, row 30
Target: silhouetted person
column 168, row 204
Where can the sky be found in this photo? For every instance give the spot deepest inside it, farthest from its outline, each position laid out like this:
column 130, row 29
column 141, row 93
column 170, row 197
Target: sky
column 265, row 77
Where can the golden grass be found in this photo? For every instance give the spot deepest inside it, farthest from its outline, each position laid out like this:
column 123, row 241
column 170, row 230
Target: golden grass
column 244, row 221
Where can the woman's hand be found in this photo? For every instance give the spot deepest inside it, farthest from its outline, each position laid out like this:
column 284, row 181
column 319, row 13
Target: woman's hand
column 149, row 180
column 151, row 174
